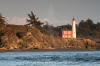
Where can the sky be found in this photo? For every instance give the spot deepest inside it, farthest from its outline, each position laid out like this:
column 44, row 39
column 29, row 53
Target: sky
column 55, row 12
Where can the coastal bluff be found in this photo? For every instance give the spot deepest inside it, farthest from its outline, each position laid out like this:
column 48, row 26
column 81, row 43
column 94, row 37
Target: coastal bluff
column 26, row 37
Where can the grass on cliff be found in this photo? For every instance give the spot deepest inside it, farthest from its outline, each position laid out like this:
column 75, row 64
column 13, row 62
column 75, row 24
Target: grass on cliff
column 25, row 37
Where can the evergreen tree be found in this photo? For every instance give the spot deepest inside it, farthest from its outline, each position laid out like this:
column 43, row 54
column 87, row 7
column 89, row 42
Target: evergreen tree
column 33, row 20
column 2, row 19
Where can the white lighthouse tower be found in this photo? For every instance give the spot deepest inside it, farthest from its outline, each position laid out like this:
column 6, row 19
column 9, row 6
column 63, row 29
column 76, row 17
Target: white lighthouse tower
column 73, row 28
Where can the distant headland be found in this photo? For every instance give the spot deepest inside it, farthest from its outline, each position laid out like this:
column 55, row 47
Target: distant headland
column 37, row 35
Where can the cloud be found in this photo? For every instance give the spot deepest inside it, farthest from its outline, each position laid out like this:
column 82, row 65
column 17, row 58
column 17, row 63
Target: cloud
column 22, row 21
column 56, row 22
column 17, row 20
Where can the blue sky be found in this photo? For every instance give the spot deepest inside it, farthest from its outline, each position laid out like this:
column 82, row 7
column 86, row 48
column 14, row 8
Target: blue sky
column 56, row 12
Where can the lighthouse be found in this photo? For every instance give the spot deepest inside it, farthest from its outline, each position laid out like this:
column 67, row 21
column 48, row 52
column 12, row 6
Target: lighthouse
column 73, row 28
column 69, row 33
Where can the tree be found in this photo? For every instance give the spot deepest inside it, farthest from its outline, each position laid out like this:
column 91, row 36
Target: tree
column 33, row 20
column 86, row 28
column 2, row 19
column 98, row 26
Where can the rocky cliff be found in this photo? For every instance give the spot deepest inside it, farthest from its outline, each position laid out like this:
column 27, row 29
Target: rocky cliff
column 25, row 37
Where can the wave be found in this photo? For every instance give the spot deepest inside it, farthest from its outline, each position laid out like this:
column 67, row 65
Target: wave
column 53, row 57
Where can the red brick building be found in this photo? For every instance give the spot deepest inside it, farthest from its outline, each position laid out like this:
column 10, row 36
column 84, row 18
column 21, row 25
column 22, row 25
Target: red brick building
column 66, row 34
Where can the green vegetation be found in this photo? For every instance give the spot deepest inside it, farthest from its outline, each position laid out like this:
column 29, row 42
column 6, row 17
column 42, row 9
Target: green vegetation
column 87, row 29
column 33, row 20
column 2, row 19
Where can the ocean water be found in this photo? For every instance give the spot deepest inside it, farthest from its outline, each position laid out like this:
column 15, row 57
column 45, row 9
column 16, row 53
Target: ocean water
column 85, row 58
